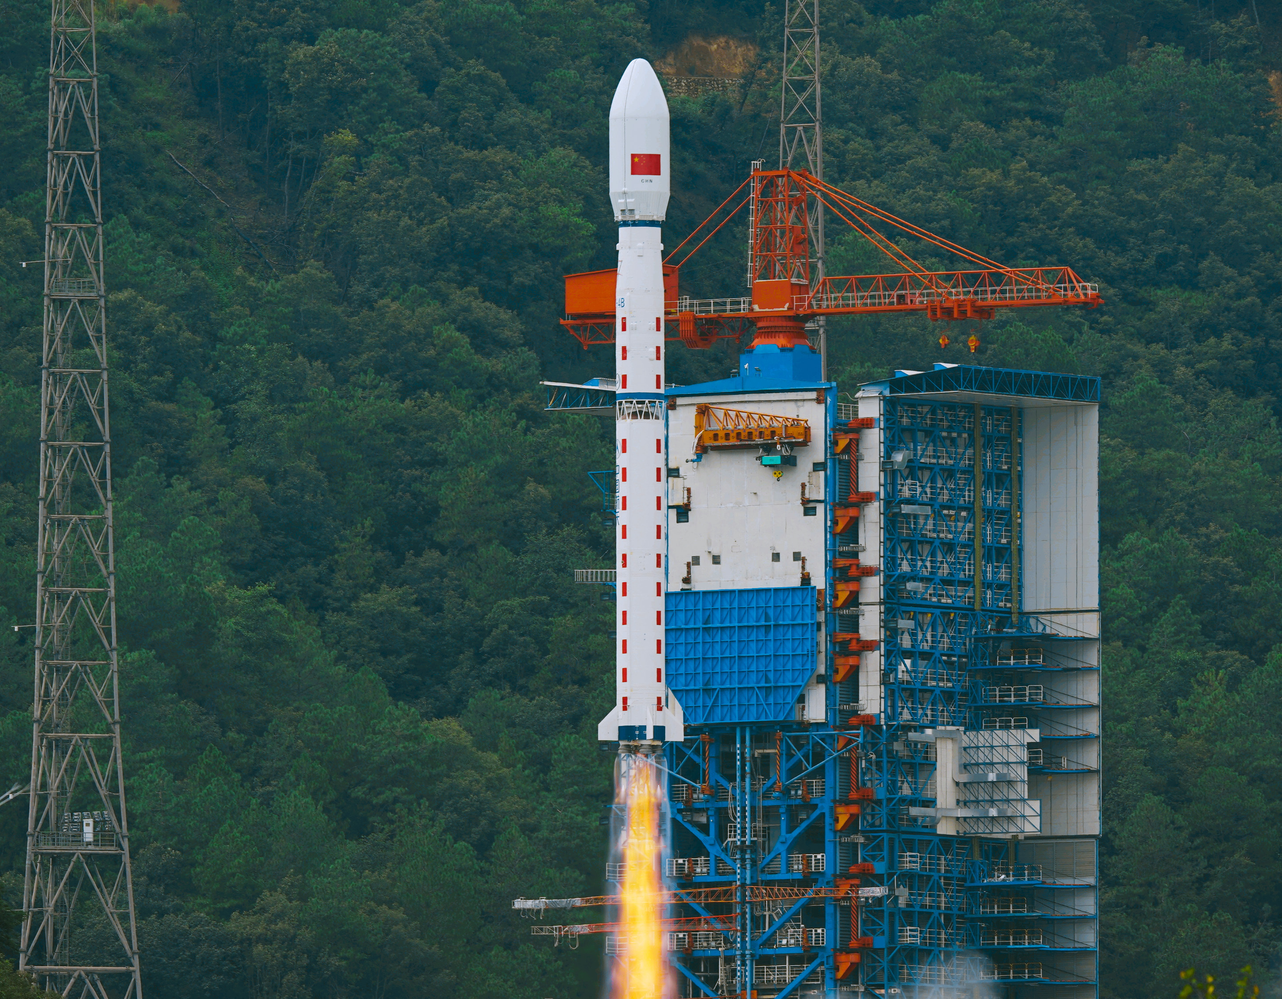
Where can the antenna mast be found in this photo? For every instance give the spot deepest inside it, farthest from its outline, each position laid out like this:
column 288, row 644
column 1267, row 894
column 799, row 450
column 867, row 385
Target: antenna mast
column 79, row 931
column 800, row 126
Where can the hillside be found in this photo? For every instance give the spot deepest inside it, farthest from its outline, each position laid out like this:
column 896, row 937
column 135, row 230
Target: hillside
column 360, row 687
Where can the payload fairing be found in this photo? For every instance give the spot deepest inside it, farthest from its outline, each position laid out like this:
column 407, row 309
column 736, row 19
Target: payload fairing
column 640, row 184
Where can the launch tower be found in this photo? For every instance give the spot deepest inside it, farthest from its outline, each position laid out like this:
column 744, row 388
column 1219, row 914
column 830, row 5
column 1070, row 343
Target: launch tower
column 881, row 625
column 889, row 781
column 887, row 649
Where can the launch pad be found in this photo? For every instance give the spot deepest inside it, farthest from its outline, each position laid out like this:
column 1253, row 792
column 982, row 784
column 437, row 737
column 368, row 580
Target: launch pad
column 862, row 634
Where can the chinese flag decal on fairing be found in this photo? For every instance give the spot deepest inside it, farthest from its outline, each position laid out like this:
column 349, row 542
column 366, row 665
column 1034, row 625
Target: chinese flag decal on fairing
column 645, row 165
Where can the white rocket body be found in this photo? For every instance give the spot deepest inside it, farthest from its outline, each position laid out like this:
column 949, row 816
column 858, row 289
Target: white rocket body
column 644, row 709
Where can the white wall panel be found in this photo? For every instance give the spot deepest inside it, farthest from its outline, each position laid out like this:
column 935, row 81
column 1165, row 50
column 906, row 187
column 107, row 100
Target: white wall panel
column 738, row 510
column 1061, row 509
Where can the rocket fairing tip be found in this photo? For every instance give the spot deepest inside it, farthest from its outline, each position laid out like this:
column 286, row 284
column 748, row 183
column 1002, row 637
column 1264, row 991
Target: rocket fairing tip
column 640, row 171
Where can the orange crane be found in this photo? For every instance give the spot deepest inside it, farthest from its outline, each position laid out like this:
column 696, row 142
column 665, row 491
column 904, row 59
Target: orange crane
column 784, row 298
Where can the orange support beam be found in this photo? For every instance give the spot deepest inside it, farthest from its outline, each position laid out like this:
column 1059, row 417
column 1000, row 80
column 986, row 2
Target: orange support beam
column 854, row 642
column 845, row 963
column 844, row 813
column 853, row 568
column 843, row 518
column 844, row 592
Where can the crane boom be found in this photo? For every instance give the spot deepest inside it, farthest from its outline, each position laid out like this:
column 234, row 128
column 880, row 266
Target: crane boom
column 787, row 293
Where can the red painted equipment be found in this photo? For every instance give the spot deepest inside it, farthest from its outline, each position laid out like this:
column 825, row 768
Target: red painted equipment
column 784, row 297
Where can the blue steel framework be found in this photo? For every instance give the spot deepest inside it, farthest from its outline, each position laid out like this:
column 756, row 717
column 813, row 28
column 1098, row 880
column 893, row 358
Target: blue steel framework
column 933, row 630
column 996, row 381
column 964, row 908
column 756, row 795
column 760, row 799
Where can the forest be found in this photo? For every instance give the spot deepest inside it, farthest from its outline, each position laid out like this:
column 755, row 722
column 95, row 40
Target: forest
column 359, row 685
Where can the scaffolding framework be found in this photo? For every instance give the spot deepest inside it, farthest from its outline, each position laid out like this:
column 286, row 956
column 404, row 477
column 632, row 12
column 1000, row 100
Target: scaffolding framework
column 959, row 883
column 959, row 654
column 79, row 934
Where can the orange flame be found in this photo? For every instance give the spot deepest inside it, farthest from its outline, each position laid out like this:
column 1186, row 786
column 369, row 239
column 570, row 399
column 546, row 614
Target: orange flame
column 642, row 889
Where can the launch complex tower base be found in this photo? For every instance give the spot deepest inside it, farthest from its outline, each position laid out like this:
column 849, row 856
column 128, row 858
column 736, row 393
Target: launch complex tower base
column 882, row 626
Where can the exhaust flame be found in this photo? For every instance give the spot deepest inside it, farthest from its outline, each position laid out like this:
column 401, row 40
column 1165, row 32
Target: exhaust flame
column 640, row 972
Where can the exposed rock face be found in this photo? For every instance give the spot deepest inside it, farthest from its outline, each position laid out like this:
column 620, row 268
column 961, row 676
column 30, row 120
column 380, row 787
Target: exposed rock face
column 702, row 64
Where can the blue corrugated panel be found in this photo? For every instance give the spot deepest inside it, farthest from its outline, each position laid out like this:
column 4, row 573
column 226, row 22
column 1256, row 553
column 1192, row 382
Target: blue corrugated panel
column 740, row 655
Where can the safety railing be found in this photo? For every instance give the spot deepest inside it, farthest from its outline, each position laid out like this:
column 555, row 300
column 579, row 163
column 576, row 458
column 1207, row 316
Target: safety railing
column 778, row 974
column 1011, row 938
column 1012, row 972
column 798, row 863
column 1033, row 693
column 594, row 575
column 809, row 788
column 78, row 287
column 931, row 974
column 699, row 940
column 1013, row 872
column 796, row 935
column 97, row 839
column 933, row 864
column 714, row 306
column 938, row 900
column 684, row 867
column 1031, row 656
column 1008, row 906
column 1006, row 722
column 920, row 936
column 807, row 863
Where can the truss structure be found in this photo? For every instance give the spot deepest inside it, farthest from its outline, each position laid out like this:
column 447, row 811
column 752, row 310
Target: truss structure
column 721, row 427
column 964, row 905
column 79, row 933
column 790, row 291
column 801, row 127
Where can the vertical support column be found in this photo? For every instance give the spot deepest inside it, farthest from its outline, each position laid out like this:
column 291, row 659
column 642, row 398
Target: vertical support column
column 77, row 823
column 743, row 822
column 977, row 445
column 801, row 129
column 947, row 767
column 1015, row 526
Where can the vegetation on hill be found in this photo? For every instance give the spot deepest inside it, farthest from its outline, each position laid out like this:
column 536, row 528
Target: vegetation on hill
column 360, row 686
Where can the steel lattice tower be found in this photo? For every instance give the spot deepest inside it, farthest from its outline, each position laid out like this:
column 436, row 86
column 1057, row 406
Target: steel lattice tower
column 801, row 126
column 79, row 932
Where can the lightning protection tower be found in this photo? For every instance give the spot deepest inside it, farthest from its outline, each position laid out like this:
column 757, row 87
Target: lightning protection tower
column 79, row 934
column 801, row 127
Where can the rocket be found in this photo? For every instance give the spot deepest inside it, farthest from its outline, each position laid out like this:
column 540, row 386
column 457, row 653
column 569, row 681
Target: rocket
column 640, row 183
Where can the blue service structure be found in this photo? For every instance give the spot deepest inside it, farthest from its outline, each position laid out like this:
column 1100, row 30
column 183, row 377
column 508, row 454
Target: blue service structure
column 883, row 627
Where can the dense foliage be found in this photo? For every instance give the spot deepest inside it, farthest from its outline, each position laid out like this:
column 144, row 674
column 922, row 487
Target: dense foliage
column 360, row 687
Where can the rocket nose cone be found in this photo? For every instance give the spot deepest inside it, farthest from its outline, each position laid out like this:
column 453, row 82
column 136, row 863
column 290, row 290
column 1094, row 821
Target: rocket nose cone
column 639, row 94
column 640, row 172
